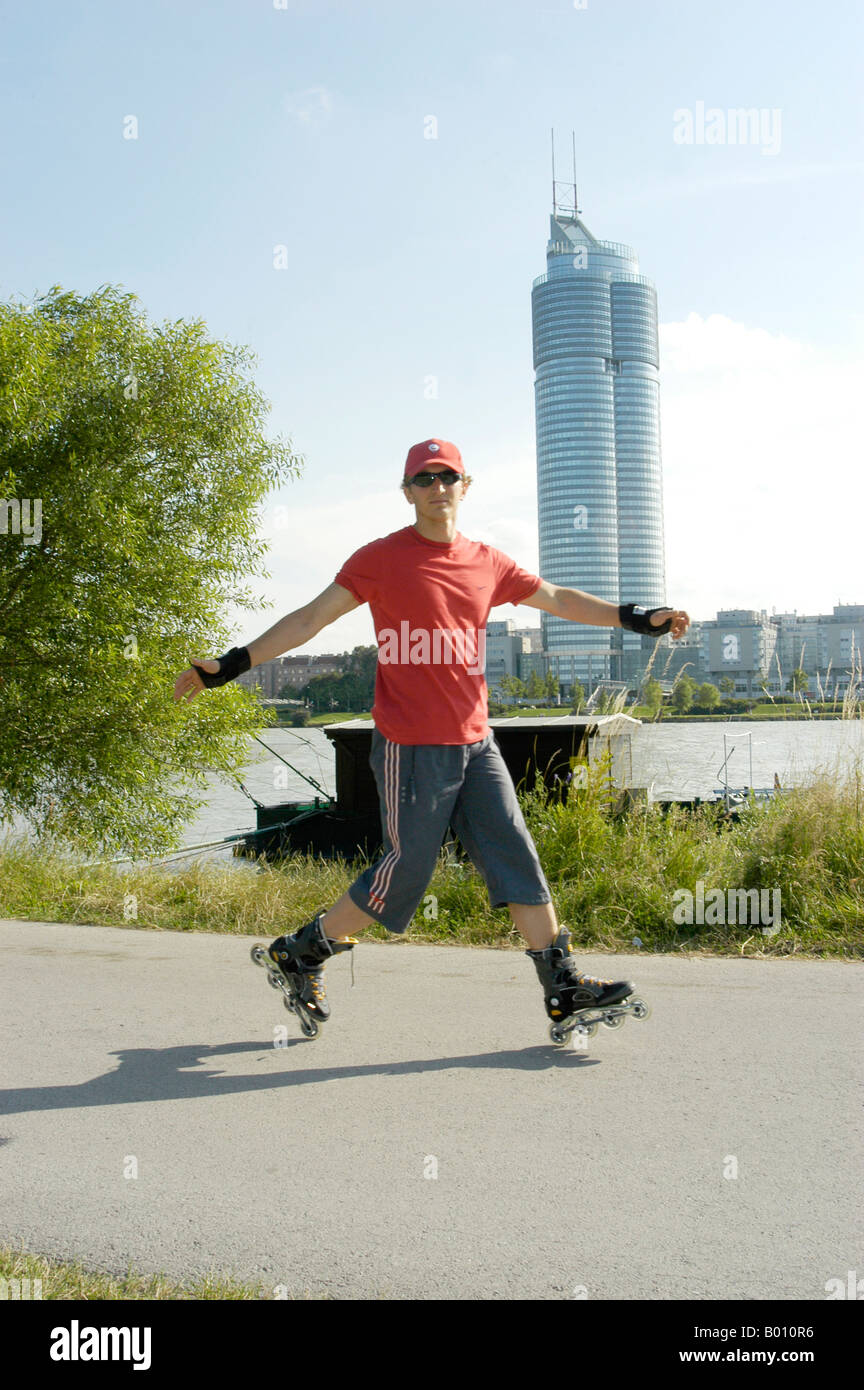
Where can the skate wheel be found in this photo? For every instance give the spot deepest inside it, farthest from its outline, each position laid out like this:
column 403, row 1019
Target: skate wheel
column 641, row 1009
column 588, row 1030
column 259, row 955
column 559, row 1036
column 308, row 1025
column 273, row 980
column 615, row 1021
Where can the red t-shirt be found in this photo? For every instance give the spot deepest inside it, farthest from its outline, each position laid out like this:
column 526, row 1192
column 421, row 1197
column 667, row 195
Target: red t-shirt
column 430, row 602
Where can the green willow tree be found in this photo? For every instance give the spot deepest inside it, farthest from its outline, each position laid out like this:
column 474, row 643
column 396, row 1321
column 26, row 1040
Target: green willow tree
column 683, row 693
column 535, row 686
column 707, row 696
column 652, row 695
column 140, row 448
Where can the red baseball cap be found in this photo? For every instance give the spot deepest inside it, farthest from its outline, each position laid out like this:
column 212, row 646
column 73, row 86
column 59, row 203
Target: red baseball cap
column 432, row 451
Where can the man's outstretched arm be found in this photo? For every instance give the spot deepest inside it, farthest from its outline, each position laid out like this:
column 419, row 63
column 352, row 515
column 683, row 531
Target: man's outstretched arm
column 294, row 630
column 299, row 627
column 578, row 607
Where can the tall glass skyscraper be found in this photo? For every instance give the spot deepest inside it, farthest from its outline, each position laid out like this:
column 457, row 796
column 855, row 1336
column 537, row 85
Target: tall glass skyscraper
column 598, row 441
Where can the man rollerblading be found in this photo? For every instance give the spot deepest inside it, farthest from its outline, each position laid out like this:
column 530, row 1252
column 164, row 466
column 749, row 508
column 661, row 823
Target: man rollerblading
column 434, row 756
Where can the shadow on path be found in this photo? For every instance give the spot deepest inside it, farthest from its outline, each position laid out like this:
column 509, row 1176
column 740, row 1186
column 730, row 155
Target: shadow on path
column 151, row 1073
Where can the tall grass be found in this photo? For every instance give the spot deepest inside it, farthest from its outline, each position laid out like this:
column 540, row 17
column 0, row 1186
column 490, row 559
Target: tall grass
column 617, row 874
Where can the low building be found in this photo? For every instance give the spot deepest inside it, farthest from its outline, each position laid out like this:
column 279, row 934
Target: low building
column 827, row 646
column 504, row 648
column 292, row 671
column 739, row 643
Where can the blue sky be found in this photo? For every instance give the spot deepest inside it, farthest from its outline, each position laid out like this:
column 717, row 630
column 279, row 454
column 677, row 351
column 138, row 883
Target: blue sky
column 306, row 125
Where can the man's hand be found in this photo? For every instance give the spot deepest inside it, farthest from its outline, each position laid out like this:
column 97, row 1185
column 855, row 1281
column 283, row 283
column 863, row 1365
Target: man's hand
column 190, row 684
column 680, row 620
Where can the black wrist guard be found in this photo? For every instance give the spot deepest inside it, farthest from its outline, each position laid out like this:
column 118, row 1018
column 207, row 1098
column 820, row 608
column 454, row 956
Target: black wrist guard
column 231, row 665
column 636, row 619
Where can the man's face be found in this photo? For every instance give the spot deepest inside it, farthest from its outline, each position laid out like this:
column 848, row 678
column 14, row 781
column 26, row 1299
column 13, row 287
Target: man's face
column 439, row 500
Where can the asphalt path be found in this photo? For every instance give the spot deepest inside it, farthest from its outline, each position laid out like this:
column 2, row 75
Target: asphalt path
column 160, row 1108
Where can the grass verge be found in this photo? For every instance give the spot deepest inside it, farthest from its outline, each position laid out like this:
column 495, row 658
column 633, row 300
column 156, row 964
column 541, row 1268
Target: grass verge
column 46, row 1278
column 617, row 880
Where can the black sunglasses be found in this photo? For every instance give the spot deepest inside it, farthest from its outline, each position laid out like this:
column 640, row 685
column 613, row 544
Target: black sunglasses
column 446, row 476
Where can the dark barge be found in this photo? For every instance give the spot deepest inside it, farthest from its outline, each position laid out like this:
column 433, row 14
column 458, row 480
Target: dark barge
column 349, row 824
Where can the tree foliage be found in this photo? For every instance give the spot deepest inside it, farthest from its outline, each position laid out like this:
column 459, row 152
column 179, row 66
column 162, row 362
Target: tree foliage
column 683, row 694
column 535, row 686
column 652, row 694
column 577, row 696
column 144, row 447
column 707, row 696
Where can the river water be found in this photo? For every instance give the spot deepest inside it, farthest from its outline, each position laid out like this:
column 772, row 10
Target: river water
column 676, row 761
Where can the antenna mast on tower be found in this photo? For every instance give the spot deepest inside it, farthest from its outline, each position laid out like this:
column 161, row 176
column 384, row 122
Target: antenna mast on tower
column 567, row 203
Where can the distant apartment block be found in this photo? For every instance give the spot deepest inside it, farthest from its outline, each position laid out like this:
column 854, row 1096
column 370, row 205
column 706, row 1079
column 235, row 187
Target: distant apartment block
column 299, row 670
column 739, row 643
column 760, row 651
column 293, row 671
column 828, row 647
column 504, row 648
column 533, row 636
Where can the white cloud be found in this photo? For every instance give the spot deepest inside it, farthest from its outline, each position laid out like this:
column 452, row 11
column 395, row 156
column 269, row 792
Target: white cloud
column 718, row 343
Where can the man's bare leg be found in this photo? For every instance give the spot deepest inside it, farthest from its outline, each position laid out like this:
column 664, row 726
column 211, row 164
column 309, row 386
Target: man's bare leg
column 344, row 919
column 538, row 924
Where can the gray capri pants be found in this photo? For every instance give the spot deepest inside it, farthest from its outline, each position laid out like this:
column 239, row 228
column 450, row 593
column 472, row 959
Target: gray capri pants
column 421, row 788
